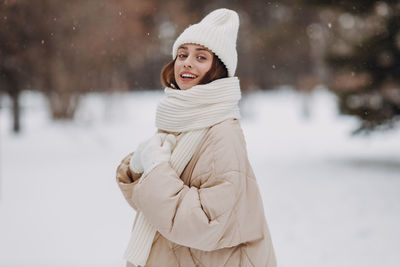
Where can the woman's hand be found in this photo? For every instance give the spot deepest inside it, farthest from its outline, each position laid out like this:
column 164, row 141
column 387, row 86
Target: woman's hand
column 135, row 163
column 157, row 150
column 124, row 174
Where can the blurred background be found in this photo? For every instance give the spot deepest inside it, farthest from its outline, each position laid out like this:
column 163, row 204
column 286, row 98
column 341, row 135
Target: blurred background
column 79, row 84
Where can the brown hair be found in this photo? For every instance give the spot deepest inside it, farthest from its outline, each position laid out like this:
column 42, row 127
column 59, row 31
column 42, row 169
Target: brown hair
column 217, row 71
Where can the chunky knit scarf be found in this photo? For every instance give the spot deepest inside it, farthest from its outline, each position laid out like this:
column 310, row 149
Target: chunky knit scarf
column 189, row 112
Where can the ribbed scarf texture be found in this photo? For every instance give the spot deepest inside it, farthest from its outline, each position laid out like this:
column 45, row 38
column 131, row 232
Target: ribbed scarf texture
column 188, row 112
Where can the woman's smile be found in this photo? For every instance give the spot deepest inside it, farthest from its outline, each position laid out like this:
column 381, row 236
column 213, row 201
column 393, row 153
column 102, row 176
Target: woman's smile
column 186, row 76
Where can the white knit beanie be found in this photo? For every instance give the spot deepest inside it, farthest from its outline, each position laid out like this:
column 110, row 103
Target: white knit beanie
column 218, row 32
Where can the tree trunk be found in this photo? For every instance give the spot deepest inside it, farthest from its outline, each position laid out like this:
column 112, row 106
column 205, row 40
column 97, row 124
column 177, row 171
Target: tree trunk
column 63, row 104
column 16, row 110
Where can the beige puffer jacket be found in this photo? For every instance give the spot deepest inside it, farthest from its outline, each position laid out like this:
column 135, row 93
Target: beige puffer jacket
column 213, row 214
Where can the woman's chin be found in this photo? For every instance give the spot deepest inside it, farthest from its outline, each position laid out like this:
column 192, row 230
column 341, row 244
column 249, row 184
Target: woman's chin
column 185, row 86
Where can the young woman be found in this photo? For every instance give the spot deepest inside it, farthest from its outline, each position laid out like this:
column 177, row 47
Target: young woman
column 196, row 198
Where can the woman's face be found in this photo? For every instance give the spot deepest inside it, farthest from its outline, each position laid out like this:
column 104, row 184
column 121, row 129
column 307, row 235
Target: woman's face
column 192, row 63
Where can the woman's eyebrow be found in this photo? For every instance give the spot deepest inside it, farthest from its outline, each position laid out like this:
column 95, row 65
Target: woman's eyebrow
column 197, row 49
column 202, row 49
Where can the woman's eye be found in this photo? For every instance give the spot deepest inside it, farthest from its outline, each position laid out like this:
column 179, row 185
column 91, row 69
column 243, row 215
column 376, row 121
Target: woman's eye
column 201, row 58
column 182, row 56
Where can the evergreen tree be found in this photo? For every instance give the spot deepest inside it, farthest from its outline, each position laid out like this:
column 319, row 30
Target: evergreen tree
column 364, row 53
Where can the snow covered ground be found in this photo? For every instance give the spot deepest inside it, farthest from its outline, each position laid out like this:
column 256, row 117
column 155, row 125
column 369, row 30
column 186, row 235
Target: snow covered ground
column 330, row 199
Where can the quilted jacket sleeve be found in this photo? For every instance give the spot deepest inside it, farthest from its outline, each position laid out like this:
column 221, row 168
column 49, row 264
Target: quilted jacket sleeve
column 203, row 217
column 127, row 180
column 179, row 212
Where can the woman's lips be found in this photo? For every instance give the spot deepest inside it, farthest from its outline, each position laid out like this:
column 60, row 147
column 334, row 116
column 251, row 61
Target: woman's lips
column 186, row 76
column 186, row 79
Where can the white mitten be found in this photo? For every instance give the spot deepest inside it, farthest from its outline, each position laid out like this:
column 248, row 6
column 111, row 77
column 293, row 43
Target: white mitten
column 157, row 150
column 135, row 163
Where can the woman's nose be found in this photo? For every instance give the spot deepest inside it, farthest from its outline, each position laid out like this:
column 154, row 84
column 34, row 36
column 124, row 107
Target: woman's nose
column 188, row 62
